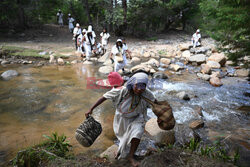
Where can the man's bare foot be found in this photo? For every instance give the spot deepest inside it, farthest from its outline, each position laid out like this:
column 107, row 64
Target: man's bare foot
column 133, row 162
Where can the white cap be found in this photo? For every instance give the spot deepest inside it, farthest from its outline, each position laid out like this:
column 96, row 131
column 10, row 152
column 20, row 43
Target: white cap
column 84, row 30
column 119, row 40
column 198, row 30
column 69, row 14
column 77, row 25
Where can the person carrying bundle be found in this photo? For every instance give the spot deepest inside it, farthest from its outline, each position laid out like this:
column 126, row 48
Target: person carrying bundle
column 117, row 52
column 81, row 43
column 131, row 111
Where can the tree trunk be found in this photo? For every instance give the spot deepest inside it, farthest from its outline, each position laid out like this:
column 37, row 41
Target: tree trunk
column 124, row 6
column 115, row 3
column 111, row 18
column 21, row 16
column 86, row 6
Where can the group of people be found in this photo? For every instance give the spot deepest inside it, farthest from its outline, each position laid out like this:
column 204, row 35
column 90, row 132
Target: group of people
column 85, row 41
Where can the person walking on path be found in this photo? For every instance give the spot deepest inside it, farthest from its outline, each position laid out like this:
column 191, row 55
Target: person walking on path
column 71, row 25
column 131, row 111
column 104, row 39
column 77, row 31
column 196, row 39
column 60, row 17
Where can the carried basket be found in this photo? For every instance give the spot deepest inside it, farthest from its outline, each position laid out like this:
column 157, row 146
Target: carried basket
column 163, row 111
column 88, row 131
column 119, row 57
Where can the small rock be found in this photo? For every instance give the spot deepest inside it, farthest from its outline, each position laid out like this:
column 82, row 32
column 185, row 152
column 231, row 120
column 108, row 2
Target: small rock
column 9, row 74
column 25, row 62
column 184, row 46
column 175, row 67
column 93, row 59
column 152, row 71
column 30, row 62
column 87, row 62
column 60, row 61
column 215, row 74
column 205, row 69
column 242, row 72
column 213, row 64
column 204, row 77
column 199, row 58
column 165, row 61
column 215, row 81
column 202, row 50
column 186, row 54
column 183, row 95
column 135, row 60
column 146, row 55
column 219, row 58
column 52, row 59
column 110, row 153
column 105, row 69
column 42, row 53
column 196, row 124
column 198, row 110
column 5, row 62
column 229, row 62
column 153, row 62
column 160, row 75
column 144, row 67
column 160, row 136
column 74, row 62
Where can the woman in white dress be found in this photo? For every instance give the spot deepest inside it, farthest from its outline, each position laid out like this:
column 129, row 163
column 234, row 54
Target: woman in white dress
column 89, row 43
column 117, row 52
column 131, row 112
column 60, row 17
column 104, row 39
column 71, row 21
column 81, row 43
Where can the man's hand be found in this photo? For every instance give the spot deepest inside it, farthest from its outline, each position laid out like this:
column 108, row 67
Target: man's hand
column 88, row 113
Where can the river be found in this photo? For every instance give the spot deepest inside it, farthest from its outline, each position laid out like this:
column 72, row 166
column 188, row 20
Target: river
column 54, row 98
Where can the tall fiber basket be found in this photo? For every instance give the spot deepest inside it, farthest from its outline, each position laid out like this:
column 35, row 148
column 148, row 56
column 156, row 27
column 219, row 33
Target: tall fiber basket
column 88, row 131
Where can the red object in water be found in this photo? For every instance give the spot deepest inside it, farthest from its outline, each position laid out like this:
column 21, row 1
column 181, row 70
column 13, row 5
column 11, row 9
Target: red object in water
column 115, row 79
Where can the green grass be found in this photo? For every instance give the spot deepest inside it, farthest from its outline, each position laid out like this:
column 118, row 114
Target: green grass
column 152, row 39
column 162, row 52
column 26, row 52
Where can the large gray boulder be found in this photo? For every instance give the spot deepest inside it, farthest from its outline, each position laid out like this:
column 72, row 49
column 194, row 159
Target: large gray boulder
column 9, row 74
column 218, row 57
column 198, row 58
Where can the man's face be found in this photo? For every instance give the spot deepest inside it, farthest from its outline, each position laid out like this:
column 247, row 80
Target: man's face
column 139, row 88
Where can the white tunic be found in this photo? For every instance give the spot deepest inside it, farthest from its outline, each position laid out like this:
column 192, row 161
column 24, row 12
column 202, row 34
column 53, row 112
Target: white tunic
column 115, row 51
column 80, row 40
column 195, row 39
column 71, row 20
column 129, row 121
column 105, row 37
column 87, row 46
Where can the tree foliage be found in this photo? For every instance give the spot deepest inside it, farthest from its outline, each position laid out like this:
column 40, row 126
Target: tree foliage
column 227, row 21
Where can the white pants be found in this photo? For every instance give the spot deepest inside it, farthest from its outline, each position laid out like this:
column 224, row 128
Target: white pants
column 195, row 43
column 88, row 51
column 119, row 66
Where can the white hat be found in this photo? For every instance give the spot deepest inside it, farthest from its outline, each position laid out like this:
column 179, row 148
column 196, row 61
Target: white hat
column 89, row 28
column 119, row 40
column 198, row 30
column 84, row 30
column 77, row 25
column 69, row 14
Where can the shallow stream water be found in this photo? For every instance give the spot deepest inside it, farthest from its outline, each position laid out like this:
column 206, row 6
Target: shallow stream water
column 54, row 98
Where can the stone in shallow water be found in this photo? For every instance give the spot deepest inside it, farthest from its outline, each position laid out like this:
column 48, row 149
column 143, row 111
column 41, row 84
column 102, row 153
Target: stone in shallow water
column 9, row 74
column 196, row 124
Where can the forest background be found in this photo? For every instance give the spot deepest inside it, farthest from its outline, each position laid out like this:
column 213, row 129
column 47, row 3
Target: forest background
column 227, row 21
